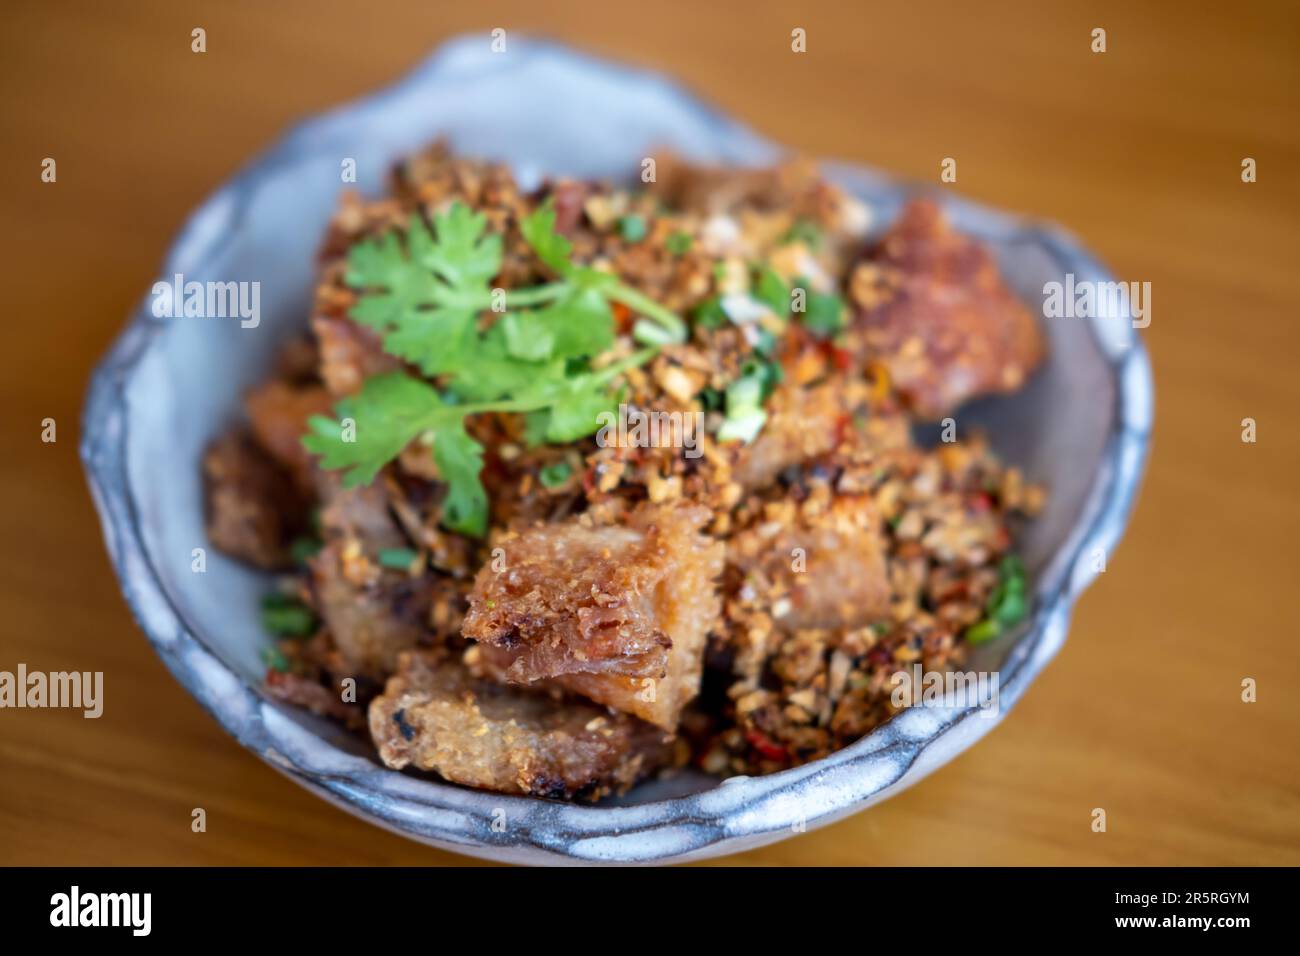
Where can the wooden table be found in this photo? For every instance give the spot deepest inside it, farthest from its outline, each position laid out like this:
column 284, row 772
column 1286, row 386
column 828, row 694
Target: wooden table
column 1138, row 150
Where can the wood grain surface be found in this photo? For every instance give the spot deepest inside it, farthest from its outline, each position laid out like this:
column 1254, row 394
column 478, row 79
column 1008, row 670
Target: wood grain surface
column 1138, row 150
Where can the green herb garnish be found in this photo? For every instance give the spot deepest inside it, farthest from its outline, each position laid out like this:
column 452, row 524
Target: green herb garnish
column 679, row 243
column 823, row 312
column 710, row 398
column 555, row 474
column 804, row 231
column 632, row 228
column 303, row 549
column 399, row 559
column 771, row 290
column 710, row 314
column 745, row 416
column 285, row 617
column 1006, row 606
column 274, row 658
column 424, row 295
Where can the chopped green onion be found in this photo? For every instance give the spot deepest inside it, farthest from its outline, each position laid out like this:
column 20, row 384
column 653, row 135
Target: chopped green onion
column 555, row 474
column 745, row 415
column 632, row 228
column 652, row 333
column 771, row 290
column 804, row 231
column 679, row 243
column 304, row 548
column 1006, row 606
column 285, row 617
column 823, row 312
column 983, row 632
column 710, row 398
column 743, row 425
column 710, row 314
column 745, row 393
column 399, row 559
column 274, row 658
column 767, row 373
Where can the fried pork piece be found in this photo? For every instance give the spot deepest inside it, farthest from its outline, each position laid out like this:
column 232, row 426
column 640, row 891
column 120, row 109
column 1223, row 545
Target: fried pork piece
column 802, row 423
column 278, row 412
column 932, row 307
column 822, row 567
column 618, row 613
column 794, row 187
column 373, row 614
column 253, row 509
column 435, row 715
column 349, row 353
column 314, row 696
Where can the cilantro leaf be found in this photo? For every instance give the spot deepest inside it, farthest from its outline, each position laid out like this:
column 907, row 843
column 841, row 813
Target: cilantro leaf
column 538, row 228
column 461, row 254
column 423, row 290
column 528, row 336
column 390, row 412
column 425, row 299
column 374, row 425
column 460, row 460
column 380, row 265
column 771, row 290
column 823, row 312
column 580, row 324
column 576, row 413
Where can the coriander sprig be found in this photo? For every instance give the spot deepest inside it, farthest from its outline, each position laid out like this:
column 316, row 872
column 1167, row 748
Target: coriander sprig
column 424, row 297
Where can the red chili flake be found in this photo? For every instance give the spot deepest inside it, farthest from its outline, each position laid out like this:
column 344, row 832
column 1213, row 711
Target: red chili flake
column 842, row 359
column 622, row 315
column 955, row 590
column 880, row 654
column 843, row 424
column 764, row 745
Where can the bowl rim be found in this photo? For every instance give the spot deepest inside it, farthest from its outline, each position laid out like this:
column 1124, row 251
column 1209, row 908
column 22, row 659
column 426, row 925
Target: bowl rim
column 742, row 811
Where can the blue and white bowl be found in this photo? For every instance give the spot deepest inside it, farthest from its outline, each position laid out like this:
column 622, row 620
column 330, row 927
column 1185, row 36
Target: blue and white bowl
column 170, row 385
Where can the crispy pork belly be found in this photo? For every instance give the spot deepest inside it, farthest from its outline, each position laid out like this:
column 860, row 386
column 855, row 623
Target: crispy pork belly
column 793, row 187
column 253, row 509
column 349, row 354
column 825, row 569
column 361, row 513
column 373, row 614
column 619, row 613
column 278, row 412
column 932, row 307
column 802, row 423
column 435, row 715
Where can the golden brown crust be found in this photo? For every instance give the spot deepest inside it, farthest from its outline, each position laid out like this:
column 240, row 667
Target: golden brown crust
column 932, row 307
column 278, row 413
column 253, row 509
column 372, row 613
column 822, row 566
column 435, row 715
column 618, row 613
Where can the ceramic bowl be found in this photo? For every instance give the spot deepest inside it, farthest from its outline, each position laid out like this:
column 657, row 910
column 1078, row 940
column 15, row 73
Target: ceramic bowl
column 169, row 385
